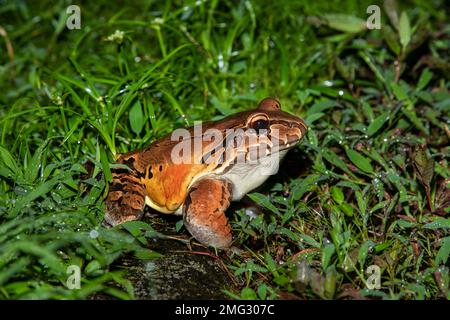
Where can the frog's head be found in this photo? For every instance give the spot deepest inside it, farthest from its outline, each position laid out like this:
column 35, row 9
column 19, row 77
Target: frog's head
column 254, row 134
column 283, row 130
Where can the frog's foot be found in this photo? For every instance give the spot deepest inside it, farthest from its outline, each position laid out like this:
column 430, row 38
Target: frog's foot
column 204, row 212
column 125, row 201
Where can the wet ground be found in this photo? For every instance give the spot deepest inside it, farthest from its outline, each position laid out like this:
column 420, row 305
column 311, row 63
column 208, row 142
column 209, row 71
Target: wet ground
column 182, row 273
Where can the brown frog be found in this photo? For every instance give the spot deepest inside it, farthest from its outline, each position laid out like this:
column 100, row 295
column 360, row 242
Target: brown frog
column 199, row 173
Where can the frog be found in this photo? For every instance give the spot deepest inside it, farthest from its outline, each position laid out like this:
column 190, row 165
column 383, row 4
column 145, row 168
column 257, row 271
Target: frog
column 219, row 166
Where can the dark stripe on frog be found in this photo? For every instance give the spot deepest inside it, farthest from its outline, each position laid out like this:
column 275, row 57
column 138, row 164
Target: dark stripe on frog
column 120, row 171
column 130, row 163
column 149, row 173
column 116, row 187
column 132, row 191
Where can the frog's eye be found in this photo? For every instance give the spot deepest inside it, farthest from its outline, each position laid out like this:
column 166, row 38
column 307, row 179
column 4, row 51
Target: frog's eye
column 260, row 124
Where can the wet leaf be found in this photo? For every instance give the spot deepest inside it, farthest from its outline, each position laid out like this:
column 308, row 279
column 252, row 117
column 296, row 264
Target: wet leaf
column 335, row 160
column 327, row 252
column 146, row 254
column 248, row 294
column 262, row 291
column 337, row 194
column 391, row 39
column 399, row 92
column 330, row 282
column 438, row 223
column 424, row 167
column 404, row 30
column 412, row 116
column 136, row 117
column 263, row 201
column 377, row 123
column 105, row 165
column 444, row 252
column 424, row 79
column 347, row 209
column 391, row 9
column 93, row 266
column 9, row 161
column 360, row 161
column 345, row 23
column 363, row 251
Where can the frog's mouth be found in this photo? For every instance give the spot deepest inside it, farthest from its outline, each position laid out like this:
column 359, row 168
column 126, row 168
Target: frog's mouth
column 284, row 137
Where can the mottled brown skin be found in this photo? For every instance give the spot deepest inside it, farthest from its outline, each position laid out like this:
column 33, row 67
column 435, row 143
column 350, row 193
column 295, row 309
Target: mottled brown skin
column 181, row 188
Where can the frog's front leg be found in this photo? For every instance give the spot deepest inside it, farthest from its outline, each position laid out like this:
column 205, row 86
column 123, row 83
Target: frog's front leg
column 204, row 212
column 125, row 200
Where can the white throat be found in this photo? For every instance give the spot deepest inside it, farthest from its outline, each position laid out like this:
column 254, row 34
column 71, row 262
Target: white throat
column 247, row 176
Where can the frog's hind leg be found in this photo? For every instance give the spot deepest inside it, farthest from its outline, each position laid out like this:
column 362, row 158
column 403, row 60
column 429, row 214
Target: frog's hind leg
column 204, row 212
column 126, row 198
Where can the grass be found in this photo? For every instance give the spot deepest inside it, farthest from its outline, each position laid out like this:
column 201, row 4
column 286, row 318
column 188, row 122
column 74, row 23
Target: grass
column 371, row 181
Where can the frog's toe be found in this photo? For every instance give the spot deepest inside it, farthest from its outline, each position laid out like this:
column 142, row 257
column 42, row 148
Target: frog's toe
column 209, row 233
column 125, row 202
column 204, row 212
column 114, row 218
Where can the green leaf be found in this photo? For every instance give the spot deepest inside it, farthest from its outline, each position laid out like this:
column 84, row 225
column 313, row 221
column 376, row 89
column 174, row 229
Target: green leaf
column 33, row 169
column 399, row 92
column 345, row 23
column 404, row 30
column 391, row 39
column 264, row 201
column 377, row 123
column 9, row 161
column 262, row 291
column 424, row 79
column 38, row 191
column 360, row 161
column 337, row 194
column 93, row 266
column 332, row 157
column 404, row 224
column 327, row 252
column 444, row 252
column 248, row 294
column 321, row 106
column 347, row 209
column 330, row 282
column 270, row 263
column 179, row 225
column 362, row 254
column 412, row 116
column 105, row 165
column 390, row 7
column 146, row 254
column 424, row 166
column 309, row 240
column 136, row 117
column 438, row 223
column 136, row 228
